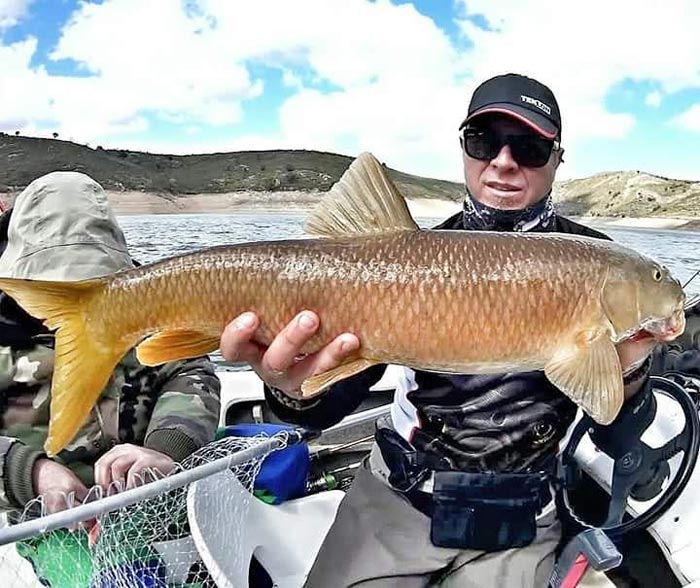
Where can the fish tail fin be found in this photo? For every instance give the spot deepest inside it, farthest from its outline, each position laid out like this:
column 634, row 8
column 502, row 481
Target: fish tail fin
column 85, row 356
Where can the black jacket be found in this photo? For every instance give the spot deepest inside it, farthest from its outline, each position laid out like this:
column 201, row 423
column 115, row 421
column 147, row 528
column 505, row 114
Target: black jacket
column 495, row 422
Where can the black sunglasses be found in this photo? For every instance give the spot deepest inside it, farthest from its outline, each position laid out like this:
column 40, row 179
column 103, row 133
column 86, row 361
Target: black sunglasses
column 527, row 150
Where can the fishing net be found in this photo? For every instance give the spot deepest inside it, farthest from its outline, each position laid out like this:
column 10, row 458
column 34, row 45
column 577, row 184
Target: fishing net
column 145, row 544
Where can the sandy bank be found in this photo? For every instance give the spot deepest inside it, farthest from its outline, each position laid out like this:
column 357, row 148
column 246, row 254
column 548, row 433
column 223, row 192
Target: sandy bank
column 133, row 202
column 126, row 203
column 424, row 207
column 655, row 223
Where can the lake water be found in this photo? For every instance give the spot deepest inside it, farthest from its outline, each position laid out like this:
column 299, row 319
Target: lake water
column 153, row 237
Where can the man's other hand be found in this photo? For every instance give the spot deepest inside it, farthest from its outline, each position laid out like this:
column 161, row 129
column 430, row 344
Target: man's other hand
column 55, row 483
column 128, row 465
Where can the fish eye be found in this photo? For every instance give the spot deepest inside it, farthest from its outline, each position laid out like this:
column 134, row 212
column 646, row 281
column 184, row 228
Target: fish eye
column 658, row 274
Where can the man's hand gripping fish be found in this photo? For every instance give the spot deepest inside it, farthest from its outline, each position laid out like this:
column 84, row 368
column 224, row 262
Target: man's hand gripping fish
column 451, row 301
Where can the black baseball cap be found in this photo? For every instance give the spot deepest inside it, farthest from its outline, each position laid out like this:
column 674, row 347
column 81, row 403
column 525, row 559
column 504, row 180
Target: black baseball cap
column 520, row 97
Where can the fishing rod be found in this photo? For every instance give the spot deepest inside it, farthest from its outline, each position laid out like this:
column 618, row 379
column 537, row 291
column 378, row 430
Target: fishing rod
column 693, row 300
column 325, row 451
column 695, row 275
column 331, row 479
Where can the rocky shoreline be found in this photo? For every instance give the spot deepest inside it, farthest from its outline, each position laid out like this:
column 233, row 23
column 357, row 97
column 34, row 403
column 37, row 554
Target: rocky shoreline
column 132, row 203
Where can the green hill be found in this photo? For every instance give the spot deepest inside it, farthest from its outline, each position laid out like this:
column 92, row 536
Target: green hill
column 298, row 176
column 22, row 159
column 628, row 194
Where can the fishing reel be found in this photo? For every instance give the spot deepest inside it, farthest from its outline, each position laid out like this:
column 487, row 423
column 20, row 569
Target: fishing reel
column 641, row 472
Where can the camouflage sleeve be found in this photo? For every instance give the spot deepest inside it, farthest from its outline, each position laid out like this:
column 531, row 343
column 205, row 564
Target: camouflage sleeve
column 186, row 413
column 19, row 368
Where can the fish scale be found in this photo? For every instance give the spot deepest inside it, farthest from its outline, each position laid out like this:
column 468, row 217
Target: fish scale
column 486, row 307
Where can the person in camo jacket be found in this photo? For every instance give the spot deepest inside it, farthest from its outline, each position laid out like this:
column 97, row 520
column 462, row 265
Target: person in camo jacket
column 62, row 228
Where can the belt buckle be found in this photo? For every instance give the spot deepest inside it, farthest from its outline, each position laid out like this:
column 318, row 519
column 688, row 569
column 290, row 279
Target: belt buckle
column 423, row 475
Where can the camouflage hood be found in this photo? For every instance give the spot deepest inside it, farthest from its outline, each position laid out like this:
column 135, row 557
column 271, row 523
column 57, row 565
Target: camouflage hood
column 62, row 228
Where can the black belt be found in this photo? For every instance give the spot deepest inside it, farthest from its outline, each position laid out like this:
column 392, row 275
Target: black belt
column 423, row 501
column 409, row 468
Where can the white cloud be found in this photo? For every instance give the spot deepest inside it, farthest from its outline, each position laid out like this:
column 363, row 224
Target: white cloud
column 12, row 11
column 291, row 79
column 169, row 64
column 653, row 99
column 393, row 68
column 23, row 100
column 394, row 83
column 689, row 120
column 582, row 50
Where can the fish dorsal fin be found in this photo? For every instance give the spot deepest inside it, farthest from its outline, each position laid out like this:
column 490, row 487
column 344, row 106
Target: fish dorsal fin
column 588, row 371
column 363, row 202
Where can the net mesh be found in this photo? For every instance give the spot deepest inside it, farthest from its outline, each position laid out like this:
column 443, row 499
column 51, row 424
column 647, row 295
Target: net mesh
column 146, row 544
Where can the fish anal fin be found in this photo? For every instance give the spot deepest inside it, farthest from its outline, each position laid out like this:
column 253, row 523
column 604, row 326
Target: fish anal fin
column 175, row 344
column 363, row 202
column 588, row 371
column 316, row 384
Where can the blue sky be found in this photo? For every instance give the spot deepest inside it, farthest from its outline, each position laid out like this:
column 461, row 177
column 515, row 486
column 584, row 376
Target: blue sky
column 391, row 77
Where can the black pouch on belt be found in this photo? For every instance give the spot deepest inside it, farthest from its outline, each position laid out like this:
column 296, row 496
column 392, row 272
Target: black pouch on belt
column 488, row 512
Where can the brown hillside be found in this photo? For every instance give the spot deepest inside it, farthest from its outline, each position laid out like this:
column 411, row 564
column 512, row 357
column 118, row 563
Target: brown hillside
column 22, row 159
column 300, row 177
column 628, row 194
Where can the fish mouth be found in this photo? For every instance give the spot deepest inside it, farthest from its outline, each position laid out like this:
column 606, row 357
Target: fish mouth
column 665, row 329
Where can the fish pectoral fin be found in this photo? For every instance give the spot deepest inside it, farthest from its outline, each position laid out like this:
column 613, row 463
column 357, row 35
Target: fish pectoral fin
column 363, row 202
column 588, row 371
column 175, row 344
column 316, row 384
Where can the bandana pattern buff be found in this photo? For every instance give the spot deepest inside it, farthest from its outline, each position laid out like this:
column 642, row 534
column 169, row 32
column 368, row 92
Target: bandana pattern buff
column 479, row 217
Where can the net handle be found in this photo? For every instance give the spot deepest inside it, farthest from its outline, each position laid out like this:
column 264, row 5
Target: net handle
column 68, row 518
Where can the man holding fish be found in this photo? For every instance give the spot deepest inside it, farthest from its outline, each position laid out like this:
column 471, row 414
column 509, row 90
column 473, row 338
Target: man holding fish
column 402, row 523
column 538, row 310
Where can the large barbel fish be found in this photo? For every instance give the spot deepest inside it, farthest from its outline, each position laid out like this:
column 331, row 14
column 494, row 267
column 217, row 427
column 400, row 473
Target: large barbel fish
column 453, row 301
